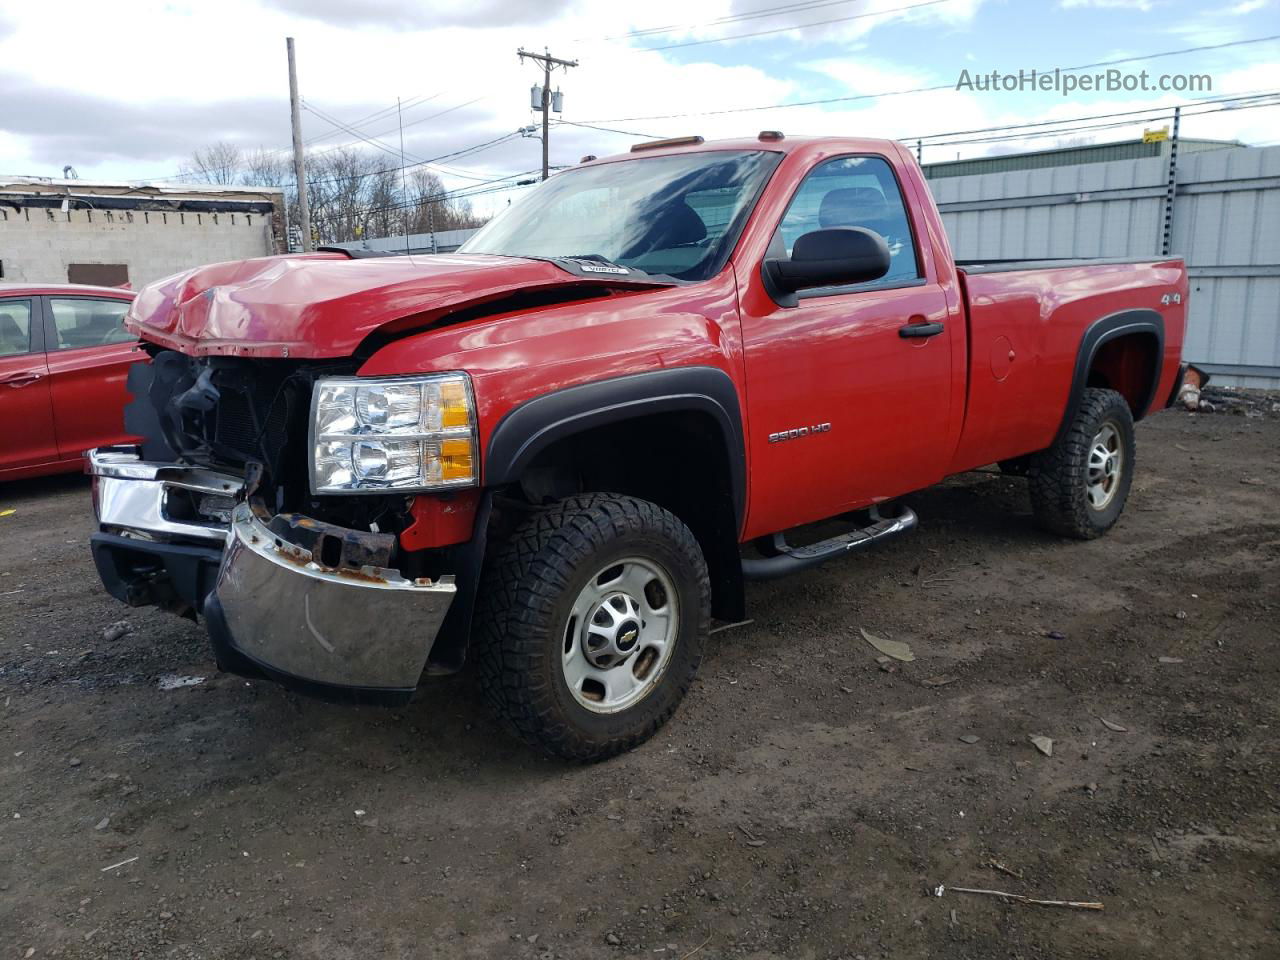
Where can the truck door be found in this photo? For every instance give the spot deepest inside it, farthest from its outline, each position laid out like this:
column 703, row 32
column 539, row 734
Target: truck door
column 849, row 393
column 26, row 415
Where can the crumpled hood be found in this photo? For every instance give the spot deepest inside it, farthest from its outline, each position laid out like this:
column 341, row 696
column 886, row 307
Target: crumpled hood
column 322, row 304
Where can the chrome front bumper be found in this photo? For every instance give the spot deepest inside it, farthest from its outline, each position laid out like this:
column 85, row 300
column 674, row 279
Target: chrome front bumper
column 273, row 608
column 151, row 501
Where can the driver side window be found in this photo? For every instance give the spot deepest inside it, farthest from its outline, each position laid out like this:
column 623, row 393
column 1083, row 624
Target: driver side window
column 853, row 192
column 82, row 322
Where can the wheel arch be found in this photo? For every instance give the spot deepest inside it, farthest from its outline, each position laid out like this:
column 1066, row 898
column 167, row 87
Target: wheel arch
column 1121, row 351
column 682, row 423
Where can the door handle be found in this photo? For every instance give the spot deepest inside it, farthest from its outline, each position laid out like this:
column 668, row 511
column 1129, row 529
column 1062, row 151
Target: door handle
column 21, row 379
column 920, row 330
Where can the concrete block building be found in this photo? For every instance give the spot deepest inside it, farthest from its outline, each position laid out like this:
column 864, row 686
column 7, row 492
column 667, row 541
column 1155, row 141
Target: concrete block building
column 78, row 231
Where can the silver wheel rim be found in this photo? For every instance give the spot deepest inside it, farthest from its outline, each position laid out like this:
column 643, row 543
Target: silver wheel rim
column 620, row 635
column 1106, row 466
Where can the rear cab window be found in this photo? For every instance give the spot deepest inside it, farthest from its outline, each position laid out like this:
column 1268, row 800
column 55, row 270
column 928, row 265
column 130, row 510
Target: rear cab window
column 858, row 191
column 88, row 322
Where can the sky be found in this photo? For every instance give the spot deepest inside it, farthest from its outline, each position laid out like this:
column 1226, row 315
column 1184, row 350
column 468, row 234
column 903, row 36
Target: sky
column 126, row 90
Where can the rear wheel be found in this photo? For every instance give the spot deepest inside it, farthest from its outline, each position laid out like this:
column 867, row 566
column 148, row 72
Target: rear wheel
column 1079, row 486
column 591, row 624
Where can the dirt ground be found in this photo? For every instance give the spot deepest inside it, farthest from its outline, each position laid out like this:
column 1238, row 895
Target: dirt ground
column 803, row 803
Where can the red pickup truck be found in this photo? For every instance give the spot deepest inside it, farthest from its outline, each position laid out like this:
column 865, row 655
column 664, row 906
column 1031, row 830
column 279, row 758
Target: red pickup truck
column 563, row 449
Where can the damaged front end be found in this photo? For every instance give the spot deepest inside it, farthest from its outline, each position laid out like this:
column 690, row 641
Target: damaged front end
column 212, row 516
column 356, row 628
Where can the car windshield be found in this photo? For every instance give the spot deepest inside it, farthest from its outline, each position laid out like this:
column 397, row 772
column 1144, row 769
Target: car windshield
column 678, row 215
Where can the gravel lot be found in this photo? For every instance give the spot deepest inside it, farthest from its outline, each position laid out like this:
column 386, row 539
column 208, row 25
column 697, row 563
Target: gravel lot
column 801, row 804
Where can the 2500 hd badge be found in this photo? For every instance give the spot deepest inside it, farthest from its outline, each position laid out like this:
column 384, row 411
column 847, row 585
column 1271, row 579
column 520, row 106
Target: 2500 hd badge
column 796, row 432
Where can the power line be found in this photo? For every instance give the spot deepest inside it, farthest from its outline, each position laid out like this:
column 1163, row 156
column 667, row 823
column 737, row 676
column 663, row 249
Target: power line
column 1095, row 116
column 371, row 141
column 377, row 115
column 411, row 123
column 1151, row 115
column 737, row 18
column 478, row 190
column 625, row 133
column 465, row 151
column 1136, row 115
column 798, row 26
column 944, row 86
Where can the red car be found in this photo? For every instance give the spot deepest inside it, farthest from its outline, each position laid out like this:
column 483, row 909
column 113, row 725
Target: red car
column 64, row 355
column 563, row 449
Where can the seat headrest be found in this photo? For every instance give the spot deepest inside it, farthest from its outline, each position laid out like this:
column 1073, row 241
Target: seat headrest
column 676, row 224
column 852, row 207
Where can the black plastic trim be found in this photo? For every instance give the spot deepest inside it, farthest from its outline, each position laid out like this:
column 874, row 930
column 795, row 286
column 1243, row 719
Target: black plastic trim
column 358, row 254
column 1101, row 331
column 464, row 561
column 534, row 425
column 189, row 571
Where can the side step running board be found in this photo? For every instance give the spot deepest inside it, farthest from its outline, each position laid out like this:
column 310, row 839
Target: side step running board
column 794, row 559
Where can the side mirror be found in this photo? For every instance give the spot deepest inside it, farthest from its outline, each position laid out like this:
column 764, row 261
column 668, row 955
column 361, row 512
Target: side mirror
column 827, row 258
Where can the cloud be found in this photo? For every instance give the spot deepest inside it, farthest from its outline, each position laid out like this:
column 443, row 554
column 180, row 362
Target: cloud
column 1143, row 5
column 812, row 23
column 416, row 15
column 62, row 126
column 1248, row 6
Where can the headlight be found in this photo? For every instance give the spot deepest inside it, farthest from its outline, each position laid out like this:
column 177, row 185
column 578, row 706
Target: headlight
column 407, row 433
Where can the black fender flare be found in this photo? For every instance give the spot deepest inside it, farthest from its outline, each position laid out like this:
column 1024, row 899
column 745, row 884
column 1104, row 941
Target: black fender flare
column 1100, row 332
column 534, row 425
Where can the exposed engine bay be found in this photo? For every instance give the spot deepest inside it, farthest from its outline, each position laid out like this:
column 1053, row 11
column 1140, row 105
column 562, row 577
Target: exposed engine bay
column 250, row 417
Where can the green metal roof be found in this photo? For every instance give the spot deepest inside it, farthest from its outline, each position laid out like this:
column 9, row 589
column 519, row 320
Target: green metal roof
column 1068, row 156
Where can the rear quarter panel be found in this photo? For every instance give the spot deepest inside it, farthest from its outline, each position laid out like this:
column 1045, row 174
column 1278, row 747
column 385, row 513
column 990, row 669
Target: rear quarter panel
column 1026, row 328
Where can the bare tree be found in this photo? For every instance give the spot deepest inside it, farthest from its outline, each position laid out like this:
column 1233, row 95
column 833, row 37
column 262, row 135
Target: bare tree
column 354, row 194
column 266, row 168
column 220, row 163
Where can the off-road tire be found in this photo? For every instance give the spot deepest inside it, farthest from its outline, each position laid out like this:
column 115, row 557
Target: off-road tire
column 525, row 596
column 1059, row 475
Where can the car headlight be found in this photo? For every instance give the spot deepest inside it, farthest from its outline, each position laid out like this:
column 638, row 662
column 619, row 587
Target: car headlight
column 393, row 434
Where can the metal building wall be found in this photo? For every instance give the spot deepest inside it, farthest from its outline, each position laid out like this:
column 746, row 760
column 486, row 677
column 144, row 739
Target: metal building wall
column 1226, row 223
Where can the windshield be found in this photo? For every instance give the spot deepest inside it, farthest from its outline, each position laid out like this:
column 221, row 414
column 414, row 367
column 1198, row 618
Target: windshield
column 677, row 215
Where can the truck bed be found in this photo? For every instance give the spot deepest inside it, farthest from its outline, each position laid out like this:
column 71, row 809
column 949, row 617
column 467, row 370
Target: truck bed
column 1027, row 320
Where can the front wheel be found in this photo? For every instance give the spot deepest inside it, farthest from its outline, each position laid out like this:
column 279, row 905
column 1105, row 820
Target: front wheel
column 591, row 624
column 1079, row 485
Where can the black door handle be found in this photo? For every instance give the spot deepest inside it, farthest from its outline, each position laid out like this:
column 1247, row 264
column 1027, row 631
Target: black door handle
column 920, row 330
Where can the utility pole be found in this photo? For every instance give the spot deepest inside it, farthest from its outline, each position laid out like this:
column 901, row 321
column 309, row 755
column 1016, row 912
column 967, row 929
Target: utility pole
column 548, row 63
column 299, row 164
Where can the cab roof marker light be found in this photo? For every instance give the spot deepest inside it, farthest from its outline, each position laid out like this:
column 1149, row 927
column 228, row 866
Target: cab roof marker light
column 670, row 142
column 770, row 136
